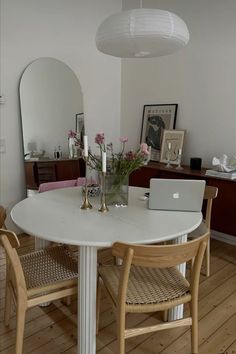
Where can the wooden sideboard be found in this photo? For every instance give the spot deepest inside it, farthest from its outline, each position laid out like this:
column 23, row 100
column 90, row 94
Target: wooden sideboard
column 224, row 206
column 37, row 172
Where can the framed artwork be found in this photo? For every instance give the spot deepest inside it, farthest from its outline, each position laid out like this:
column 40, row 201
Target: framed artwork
column 157, row 118
column 172, row 146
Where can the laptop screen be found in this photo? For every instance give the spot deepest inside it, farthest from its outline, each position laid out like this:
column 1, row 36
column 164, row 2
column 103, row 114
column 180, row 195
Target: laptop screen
column 176, row 194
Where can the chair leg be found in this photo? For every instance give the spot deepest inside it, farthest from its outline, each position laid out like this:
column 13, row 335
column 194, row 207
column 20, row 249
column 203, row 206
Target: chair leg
column 194, row 327
column 20, row 325
column 191, row 267
column 165, row 316
column 66, row 301
column 207, row 257
column 7, row 312
column 121, row 334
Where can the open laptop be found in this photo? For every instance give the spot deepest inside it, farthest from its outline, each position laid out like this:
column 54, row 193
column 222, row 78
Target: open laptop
column 176, row 194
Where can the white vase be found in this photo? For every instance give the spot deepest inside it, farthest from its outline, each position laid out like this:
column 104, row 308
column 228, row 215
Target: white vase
column 71, row 147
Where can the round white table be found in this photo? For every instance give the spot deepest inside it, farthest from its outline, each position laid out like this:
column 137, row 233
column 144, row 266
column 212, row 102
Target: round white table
column 56, row 216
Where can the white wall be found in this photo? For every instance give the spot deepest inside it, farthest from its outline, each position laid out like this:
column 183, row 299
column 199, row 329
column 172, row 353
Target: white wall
column 200, row 78
column 63, row 29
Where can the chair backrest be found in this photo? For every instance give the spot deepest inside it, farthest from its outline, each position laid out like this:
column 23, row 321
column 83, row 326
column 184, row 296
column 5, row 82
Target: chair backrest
column 44, row 187
column 10, row 243
column 160, row 256
column 210, row 193
column 80, row 181
column 3, row 216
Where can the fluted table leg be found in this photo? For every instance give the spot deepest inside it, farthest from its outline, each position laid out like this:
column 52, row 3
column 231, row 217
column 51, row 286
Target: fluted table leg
column 87, row 289
column 177, row 312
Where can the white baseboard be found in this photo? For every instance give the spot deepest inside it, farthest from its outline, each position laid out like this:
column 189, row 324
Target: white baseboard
column 220, row 236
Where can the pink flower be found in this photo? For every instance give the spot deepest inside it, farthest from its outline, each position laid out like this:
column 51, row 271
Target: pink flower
column 144, row 148
column 121, row 163
column 123, row 139
column 130, row 156
column 71, row 134
column 99, row 138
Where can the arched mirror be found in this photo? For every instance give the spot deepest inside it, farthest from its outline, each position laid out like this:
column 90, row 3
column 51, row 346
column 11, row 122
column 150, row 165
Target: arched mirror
column 51, row 104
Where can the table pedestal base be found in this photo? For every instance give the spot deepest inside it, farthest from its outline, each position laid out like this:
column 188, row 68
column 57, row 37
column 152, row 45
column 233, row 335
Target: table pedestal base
column 40, row 243
column 87, row 289
column 177, row 312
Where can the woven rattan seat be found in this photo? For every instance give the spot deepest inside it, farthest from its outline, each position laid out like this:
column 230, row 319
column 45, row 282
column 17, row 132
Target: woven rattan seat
column 35, row 278
column 48, row 266
column 148, row 281
column 146, row 285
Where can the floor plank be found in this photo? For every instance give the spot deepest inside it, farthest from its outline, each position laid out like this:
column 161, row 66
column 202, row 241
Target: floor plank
column 227, row 331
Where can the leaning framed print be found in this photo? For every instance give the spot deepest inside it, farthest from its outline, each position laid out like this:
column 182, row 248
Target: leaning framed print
column 172, row 146
column 157, row 118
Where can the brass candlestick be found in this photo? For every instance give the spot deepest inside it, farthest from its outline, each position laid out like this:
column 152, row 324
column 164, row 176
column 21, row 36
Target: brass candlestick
column 86, row 204
column 103, row 207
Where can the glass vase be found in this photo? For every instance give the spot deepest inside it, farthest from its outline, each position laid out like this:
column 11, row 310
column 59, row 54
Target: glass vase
column 116, row 190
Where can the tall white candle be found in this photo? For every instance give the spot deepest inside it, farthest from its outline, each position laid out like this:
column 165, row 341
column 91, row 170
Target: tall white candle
column 85, row 146
column 180, row 151
column 104, row 161
column 169, row 146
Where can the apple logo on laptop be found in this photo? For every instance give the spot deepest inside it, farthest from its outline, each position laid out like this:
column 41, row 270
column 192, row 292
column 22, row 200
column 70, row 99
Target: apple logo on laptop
column 176, row 195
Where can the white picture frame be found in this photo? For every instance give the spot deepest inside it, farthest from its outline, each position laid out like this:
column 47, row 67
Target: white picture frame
column 173, row 141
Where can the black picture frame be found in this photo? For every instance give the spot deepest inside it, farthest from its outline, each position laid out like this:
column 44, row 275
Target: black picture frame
column 156, row 119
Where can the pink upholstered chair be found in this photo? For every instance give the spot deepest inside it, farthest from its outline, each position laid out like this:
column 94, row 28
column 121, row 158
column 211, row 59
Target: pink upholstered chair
column 81, row 181
column 44, row 187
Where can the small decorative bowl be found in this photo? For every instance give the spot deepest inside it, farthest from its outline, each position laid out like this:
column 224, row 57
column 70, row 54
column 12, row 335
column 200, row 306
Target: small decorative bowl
column 93, row 190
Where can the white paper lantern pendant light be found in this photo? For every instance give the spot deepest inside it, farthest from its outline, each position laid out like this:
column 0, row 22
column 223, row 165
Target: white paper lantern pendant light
column 142, row 33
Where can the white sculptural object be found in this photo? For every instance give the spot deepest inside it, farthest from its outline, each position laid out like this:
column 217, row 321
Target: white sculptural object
column 224, row 163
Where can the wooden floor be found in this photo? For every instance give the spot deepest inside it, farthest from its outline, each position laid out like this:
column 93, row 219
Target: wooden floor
column 52, row 329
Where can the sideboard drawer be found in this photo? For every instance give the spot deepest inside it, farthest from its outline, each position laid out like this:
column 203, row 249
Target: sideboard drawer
column 37, row 172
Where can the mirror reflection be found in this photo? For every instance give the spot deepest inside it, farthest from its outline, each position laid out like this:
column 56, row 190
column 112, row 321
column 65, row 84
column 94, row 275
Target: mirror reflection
column 51, row 105
column 51, row 110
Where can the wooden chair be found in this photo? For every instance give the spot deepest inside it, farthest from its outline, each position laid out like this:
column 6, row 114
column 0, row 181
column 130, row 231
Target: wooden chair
column 148, row 281
column 209, row 194
column 3, row 216
column 35, row 278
